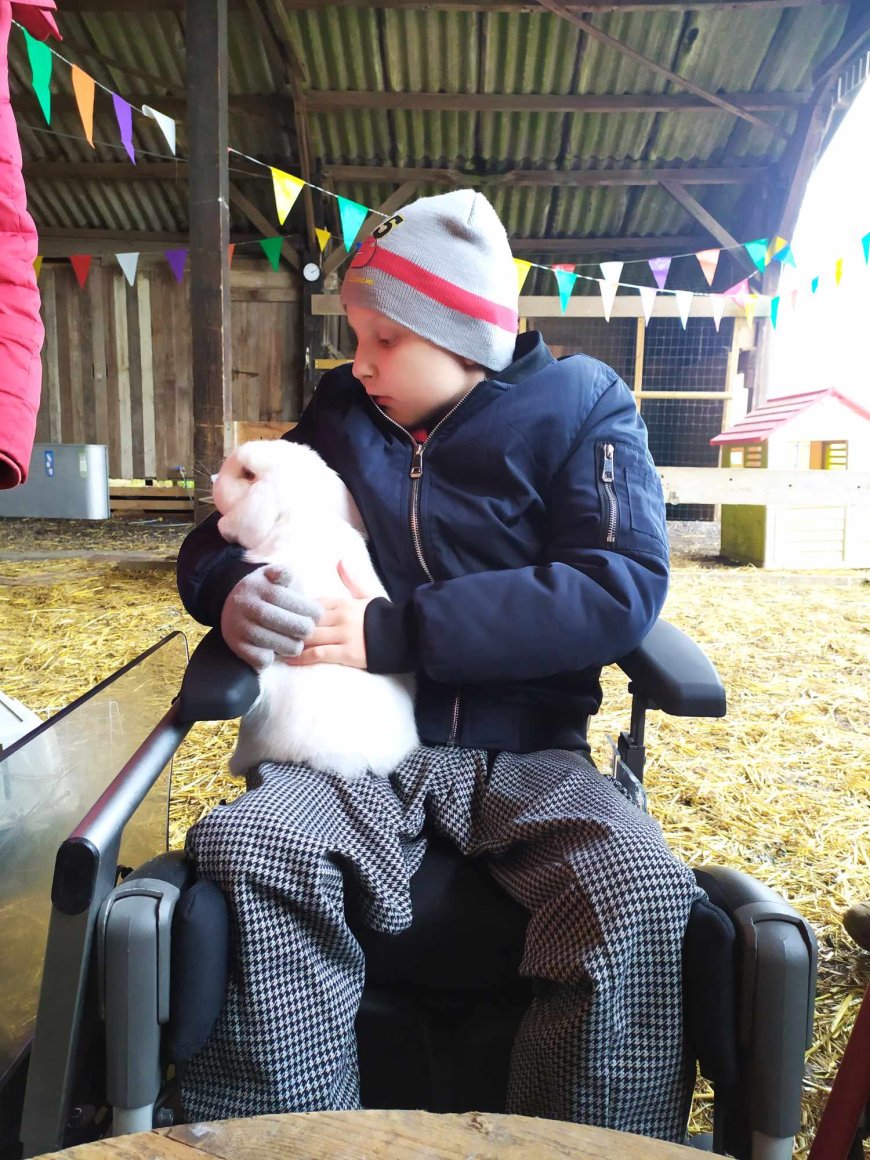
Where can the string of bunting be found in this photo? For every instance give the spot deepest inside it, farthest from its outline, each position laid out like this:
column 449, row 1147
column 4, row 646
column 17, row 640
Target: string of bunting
column 352, row 214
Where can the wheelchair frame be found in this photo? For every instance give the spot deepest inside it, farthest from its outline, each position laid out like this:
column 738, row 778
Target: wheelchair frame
column 131, row 925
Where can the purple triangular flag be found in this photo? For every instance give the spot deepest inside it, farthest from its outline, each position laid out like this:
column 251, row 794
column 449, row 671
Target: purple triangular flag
column 177, row 259
column 660, row 268
column 124, row 113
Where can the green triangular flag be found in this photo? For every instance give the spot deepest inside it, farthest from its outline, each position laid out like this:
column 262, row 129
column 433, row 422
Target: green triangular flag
column 865, row 242
column 757, row 251
column 272, row 250
column 352, row 217
column 40, row 67
column 774, row 310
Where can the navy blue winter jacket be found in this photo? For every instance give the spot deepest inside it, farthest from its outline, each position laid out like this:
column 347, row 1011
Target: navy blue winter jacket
column 523, row 545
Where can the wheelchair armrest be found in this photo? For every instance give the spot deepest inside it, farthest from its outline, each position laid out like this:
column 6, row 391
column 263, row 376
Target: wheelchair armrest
column 217, row 685
column 674, row 675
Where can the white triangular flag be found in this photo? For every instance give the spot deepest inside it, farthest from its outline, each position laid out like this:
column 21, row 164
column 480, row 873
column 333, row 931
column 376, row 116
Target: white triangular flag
column 684, row 304
column 167, row 125
column 717, row 305
column 128, row 263
column 612, row 271
column 608, row 293
column 648, row 300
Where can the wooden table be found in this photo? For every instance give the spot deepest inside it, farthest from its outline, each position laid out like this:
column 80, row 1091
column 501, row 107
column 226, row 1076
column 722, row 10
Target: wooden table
column 372, row 1135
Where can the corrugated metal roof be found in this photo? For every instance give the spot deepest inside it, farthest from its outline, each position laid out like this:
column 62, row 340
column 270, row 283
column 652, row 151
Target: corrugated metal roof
column 369, row 49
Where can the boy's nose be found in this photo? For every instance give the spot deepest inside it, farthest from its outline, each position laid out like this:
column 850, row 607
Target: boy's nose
column 362, row 367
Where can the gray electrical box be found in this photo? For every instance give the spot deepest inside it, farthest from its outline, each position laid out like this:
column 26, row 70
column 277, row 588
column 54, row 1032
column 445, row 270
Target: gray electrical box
column 65, row 481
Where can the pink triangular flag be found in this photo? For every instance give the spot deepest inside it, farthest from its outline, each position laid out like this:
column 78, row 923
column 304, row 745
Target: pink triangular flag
column 124, row 114
column 684, row 304
column 608, row 293
column 739, row 292
column 717, row 308
column 660, row 268
column 648, row 295
column 177, row 260
column 708, row 261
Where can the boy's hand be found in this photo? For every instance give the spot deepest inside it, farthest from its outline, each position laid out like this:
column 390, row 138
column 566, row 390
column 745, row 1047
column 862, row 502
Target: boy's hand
column 339, row 637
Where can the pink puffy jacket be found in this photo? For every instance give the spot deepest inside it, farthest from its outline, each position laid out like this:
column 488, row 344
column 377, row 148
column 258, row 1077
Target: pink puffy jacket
column 21, row 330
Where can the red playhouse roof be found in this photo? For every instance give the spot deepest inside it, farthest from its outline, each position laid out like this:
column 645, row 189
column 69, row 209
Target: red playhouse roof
column 760, row 423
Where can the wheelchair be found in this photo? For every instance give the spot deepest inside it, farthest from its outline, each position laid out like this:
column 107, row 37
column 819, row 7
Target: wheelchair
column 135, row 960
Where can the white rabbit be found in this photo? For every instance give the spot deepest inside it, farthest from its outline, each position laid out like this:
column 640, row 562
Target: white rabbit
column 282, row 503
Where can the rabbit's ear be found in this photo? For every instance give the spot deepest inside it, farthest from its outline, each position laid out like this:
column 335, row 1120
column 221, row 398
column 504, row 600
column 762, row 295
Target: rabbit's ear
column 249, row 521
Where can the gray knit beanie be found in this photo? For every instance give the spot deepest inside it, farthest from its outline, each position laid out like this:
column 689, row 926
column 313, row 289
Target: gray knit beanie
column 443, row 267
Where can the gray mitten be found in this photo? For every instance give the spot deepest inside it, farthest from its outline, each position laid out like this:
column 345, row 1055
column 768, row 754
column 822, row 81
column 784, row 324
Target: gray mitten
column 263, row 617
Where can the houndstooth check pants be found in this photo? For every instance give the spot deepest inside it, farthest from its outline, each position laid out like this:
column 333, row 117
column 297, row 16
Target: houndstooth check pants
column 602, row 1041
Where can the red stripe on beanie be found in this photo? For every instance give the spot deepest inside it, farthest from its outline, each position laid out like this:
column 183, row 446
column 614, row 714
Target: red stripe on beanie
column 439, row 289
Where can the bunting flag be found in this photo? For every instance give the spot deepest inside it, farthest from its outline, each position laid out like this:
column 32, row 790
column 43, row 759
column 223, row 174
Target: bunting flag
column 177, row 260
column 838, row 271
column 323, row 237
column 167, row 125
column 684, row 304
column 648, row 295
column 83, row 87
column 757, row 251
column 37, row 265
column 775, row 248
column 231, row 249
column 128, row 263
column 660, row 268
column 774, row 310
column 81, row 264
column 717, row 308
column 708, row 260
column 523, row 268
column 786, row 256
column 287, row 189
column 865, row 242
column 566, row 278
column 739, row 292
column 124, row 115
column 40, row 57
column 608, row 294
column 612, row 271
column 272, row 250
column 814, row 285
column 749, row 307
column 352, row 216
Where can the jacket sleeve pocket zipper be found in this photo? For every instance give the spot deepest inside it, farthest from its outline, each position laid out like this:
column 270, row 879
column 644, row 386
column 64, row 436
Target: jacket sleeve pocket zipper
column 607, row 477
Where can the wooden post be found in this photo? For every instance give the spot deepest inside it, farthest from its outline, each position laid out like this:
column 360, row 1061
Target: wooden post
column 208, row 200
column 640, row 341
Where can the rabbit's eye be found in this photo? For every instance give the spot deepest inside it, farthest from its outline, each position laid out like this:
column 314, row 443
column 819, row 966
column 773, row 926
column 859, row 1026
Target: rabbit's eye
column 247, row 473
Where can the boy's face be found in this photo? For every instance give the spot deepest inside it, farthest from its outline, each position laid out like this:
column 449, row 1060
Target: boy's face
column 410, row 378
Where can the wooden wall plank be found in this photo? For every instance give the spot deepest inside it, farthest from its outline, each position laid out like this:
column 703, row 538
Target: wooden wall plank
column 97, row 284
column 84, row 406
column 122, row 354
column 65, row 285
column 135, row 350
column 113, row 400
column 50, row 372
column 149, row 457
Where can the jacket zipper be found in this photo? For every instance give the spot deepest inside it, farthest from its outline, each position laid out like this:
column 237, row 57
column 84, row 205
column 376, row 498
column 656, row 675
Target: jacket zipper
column 416, row 475
column 607, row 477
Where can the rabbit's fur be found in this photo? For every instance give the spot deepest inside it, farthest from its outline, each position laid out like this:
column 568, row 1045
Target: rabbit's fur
column 282, row 503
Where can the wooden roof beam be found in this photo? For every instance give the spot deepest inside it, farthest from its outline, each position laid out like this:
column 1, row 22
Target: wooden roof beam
column 735, row 175
column 681, row 82
column 328, row 101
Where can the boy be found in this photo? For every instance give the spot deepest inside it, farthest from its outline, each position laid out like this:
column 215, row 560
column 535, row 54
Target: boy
column 518, row 524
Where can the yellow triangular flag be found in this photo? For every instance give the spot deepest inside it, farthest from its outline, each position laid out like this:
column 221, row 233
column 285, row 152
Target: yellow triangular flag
column 287, row 189
column 37, row 265
column 323, row 237
column 522, row 272
column 83, row 87
column 838, row 271
column 775, row 246
column 749, row 307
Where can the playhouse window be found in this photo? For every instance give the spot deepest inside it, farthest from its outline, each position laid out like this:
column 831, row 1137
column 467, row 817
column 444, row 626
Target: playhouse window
column 835, row 456
column 751, row 455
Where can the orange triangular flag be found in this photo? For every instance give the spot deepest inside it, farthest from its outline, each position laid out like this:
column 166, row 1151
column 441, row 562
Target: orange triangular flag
column 37, row 265
column 231, row 249
column 83, row 86
column 81, row 263
column 708, row 261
